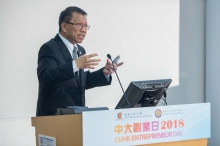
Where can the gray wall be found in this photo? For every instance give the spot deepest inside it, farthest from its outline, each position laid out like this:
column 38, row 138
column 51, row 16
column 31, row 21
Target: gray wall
column 191, row 87
column 213, row 66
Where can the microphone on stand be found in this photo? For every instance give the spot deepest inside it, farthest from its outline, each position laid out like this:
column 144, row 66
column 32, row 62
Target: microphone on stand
column 109, row 57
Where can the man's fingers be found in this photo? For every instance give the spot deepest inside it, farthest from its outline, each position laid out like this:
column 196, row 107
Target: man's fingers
column 119, row 64
column 94, row 60
column 108, row 61
column 92, row 55
column 90, row 67
column 115, row 66
column 91, row 64
column 111, row 69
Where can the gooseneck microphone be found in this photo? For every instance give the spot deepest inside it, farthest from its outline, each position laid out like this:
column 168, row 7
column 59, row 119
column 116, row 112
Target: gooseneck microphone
column 109, row 57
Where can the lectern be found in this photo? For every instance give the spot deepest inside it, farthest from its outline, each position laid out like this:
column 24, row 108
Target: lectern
column 68, row 130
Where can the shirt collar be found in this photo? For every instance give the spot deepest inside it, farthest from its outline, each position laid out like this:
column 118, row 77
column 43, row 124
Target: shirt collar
column 68, row 44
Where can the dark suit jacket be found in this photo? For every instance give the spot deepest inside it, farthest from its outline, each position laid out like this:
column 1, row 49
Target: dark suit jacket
column 58, row 86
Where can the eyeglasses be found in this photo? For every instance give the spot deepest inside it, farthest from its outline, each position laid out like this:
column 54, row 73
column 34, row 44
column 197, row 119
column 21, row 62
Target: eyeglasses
column 79, row 25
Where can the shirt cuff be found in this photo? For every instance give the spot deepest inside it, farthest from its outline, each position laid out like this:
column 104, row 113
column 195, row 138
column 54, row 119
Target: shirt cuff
column 107, row 77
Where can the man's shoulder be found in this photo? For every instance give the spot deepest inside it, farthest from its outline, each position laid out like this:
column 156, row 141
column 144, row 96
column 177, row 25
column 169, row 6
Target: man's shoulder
column 51, row 42
column 49, row 47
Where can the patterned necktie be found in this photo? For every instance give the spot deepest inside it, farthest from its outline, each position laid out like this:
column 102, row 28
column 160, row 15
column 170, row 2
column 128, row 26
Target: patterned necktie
column 75, row 57
column 74, row 53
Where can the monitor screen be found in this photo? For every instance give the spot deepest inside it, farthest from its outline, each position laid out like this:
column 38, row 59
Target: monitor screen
column 143, row 93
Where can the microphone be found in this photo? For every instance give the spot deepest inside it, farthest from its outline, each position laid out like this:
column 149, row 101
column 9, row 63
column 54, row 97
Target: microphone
column 109, row 57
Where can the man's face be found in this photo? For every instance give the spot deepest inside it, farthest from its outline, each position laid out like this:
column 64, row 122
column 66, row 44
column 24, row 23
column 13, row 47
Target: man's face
column 75, row 33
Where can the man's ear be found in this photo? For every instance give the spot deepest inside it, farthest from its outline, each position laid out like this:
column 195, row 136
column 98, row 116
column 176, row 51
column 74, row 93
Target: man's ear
column 63, row 27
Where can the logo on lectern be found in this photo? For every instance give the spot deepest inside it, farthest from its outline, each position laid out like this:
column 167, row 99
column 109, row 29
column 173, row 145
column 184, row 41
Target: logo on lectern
column 158, row 113
column 119, row 116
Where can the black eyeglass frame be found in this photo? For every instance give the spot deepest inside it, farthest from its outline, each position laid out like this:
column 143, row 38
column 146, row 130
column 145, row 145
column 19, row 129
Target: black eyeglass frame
column 79, row 25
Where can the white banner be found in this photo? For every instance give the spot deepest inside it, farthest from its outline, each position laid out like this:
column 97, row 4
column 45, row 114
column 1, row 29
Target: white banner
column 147, row 125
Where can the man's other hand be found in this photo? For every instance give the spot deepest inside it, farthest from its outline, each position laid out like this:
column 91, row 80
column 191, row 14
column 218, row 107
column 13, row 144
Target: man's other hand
column 108, row 69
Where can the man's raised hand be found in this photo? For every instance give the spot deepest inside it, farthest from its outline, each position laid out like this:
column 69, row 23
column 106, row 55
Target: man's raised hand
column 86, row 61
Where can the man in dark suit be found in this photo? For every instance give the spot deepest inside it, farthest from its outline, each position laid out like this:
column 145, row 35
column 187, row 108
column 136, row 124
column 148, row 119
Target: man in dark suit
column 63, row 66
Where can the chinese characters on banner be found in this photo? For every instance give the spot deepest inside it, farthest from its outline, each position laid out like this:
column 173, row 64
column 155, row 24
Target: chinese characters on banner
column 150, row 130
column 137, row 126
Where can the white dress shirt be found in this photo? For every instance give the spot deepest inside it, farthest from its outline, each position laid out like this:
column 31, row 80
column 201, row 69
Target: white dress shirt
column 70, row 47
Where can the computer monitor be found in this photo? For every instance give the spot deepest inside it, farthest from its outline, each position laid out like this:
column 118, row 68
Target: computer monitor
column 144, row 93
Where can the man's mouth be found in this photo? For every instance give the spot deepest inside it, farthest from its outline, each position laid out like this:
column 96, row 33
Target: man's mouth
column 81, row 36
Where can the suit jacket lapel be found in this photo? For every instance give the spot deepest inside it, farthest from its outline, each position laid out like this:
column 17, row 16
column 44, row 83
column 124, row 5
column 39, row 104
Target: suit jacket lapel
column 67, row 55
column 63, row 48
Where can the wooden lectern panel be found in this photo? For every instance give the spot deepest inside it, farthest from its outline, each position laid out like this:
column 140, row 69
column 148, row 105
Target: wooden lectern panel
column 67, row 129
